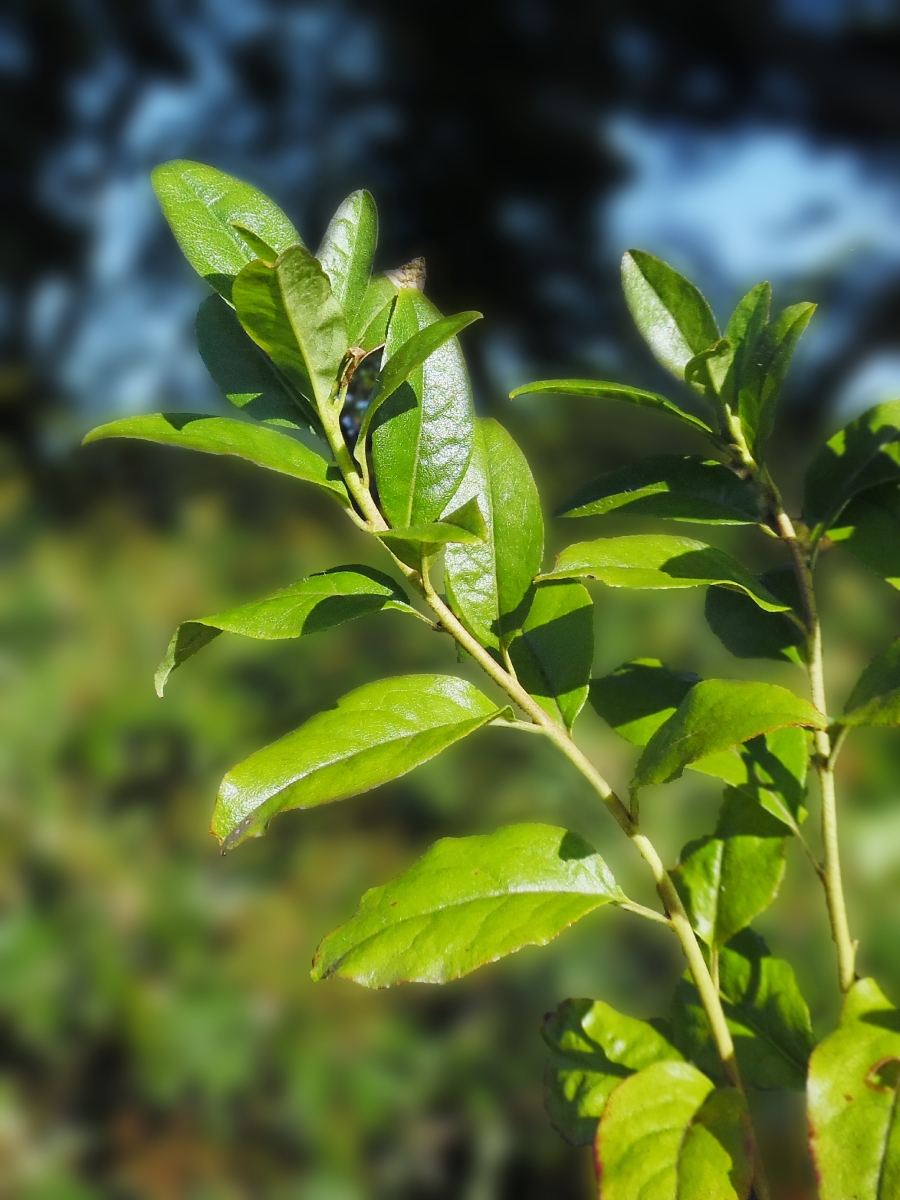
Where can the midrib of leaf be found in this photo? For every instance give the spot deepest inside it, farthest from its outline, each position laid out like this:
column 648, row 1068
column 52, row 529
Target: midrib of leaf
column 232, row 232
column 301, row 341
column 736, row 1008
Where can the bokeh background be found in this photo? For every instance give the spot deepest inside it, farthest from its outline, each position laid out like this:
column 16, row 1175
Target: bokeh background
column 159, row 1035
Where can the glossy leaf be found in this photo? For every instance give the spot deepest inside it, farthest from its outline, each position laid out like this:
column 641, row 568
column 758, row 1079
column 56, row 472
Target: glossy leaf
column 467, row 902
column 554, row 652
column 666, row 1134
column 258, row 247
column 715, row 715
column 290, row 312
column 727, row 880
column 223, row 435
column 657, row 560
column 769, row 770
column 347, row 251
column 869, row 527
column 771, row 358
column 638, row 697
column 747, row 631
column 610, row 391
column 745, row 326
column 875, row 700
column 593, row 1048
column 465, row 526
column 369, row 329
column 246, row 375
column 202, row 206
column 862, row 454
column 765, row 1011
column 671, row 314
column 683, row 488
column 488, row 585
column 854, row 1115
column 422, row 434
column 310, row 606
column 374, row 734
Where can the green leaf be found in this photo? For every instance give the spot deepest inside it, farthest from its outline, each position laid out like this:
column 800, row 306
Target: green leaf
column 875, row 700
column 869, row 527
column 488, row 585
column 554, row 652
column 223, row 435
column 715, row 715
column 611, row 391
column 671, row 314
column 374, row 734
column 709, row 371
column 854, row 1117
column 310, row 606
column 347, row 251
column 290, row 312
column 202, row 206
column 467, row 902
column 422, row 434
column 727, row 880
column 745, row 326
column 765, row 1011
column 246, row 375
column 743, row 628
column 369, row 329
column 859, row 456
column 416, row 543
column 683, row 488
column 638, row 697
column 255, row 244
column 769, row 770
column 593, row 1048
column 666, row 1134
column 771, row 357
column 657, row 560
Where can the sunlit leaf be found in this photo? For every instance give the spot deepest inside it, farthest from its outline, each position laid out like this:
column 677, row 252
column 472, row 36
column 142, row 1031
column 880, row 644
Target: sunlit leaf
column 554, row 652
column 875, row 700
column 415, row 543
column 671, row 314
column 373, row 316
column 769, row 770
column 610, row 391
column 771, row 358
column 347, row 251
column 638, row 697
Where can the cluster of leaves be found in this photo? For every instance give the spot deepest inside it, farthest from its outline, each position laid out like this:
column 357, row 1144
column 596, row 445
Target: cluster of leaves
column 284, row 336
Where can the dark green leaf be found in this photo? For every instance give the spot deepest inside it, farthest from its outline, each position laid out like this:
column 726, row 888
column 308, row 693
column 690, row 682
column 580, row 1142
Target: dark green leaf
column 369, row 330
column 671, row 314
column 638, row 697
column 222, row 435
column 869, row 527
column 854, row 1117
column 666, row 1134
column 422, row 434
column 715, row 715
column 310, row 606
column 488, row 585
column 875, row 700
column 467, row 902
column 592, row 1048
column 862, row 454
column 554, row 652
column 769, row 770
column 743, row 628
column 202, row 205
column 765, row 1011
column 374, row 734
column 610, row 391
column 682, row 488
column 290, row 312
column 347, row 251
column 657, row 560
column 771, row 357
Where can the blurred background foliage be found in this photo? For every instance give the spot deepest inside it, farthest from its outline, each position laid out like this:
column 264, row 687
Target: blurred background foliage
column 159, row 1035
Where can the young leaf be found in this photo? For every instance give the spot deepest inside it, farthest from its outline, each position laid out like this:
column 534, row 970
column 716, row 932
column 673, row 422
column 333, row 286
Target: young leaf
column 202, row 206
column 769, row 770
column 310, row 606
column 745, row 326
column 765, row 1011
column 657, row 560
column 869, row 527
column 554, row 652
column 743, row 628
column 246, row 375
column 369, row 329
column 466, row 526
column 290, row 312
column 859, row 456
column 467, row 902
column 611, row 391
column 593, row 1048
column 666, row 1134
column 255, row 244
column 347, row 251
column 671, row 314
column 638, row 697
column 487, row 585
column 683, row 488
column 875, row 700
column 854, row 1117
column 708, row 371
column 771, row 358
column 728, row 879
column 715, row 715
column 374, row 734
column 423, row 432
column 222, row 435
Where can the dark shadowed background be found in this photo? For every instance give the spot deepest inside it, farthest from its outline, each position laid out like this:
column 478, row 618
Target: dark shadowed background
column 159, row 1035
